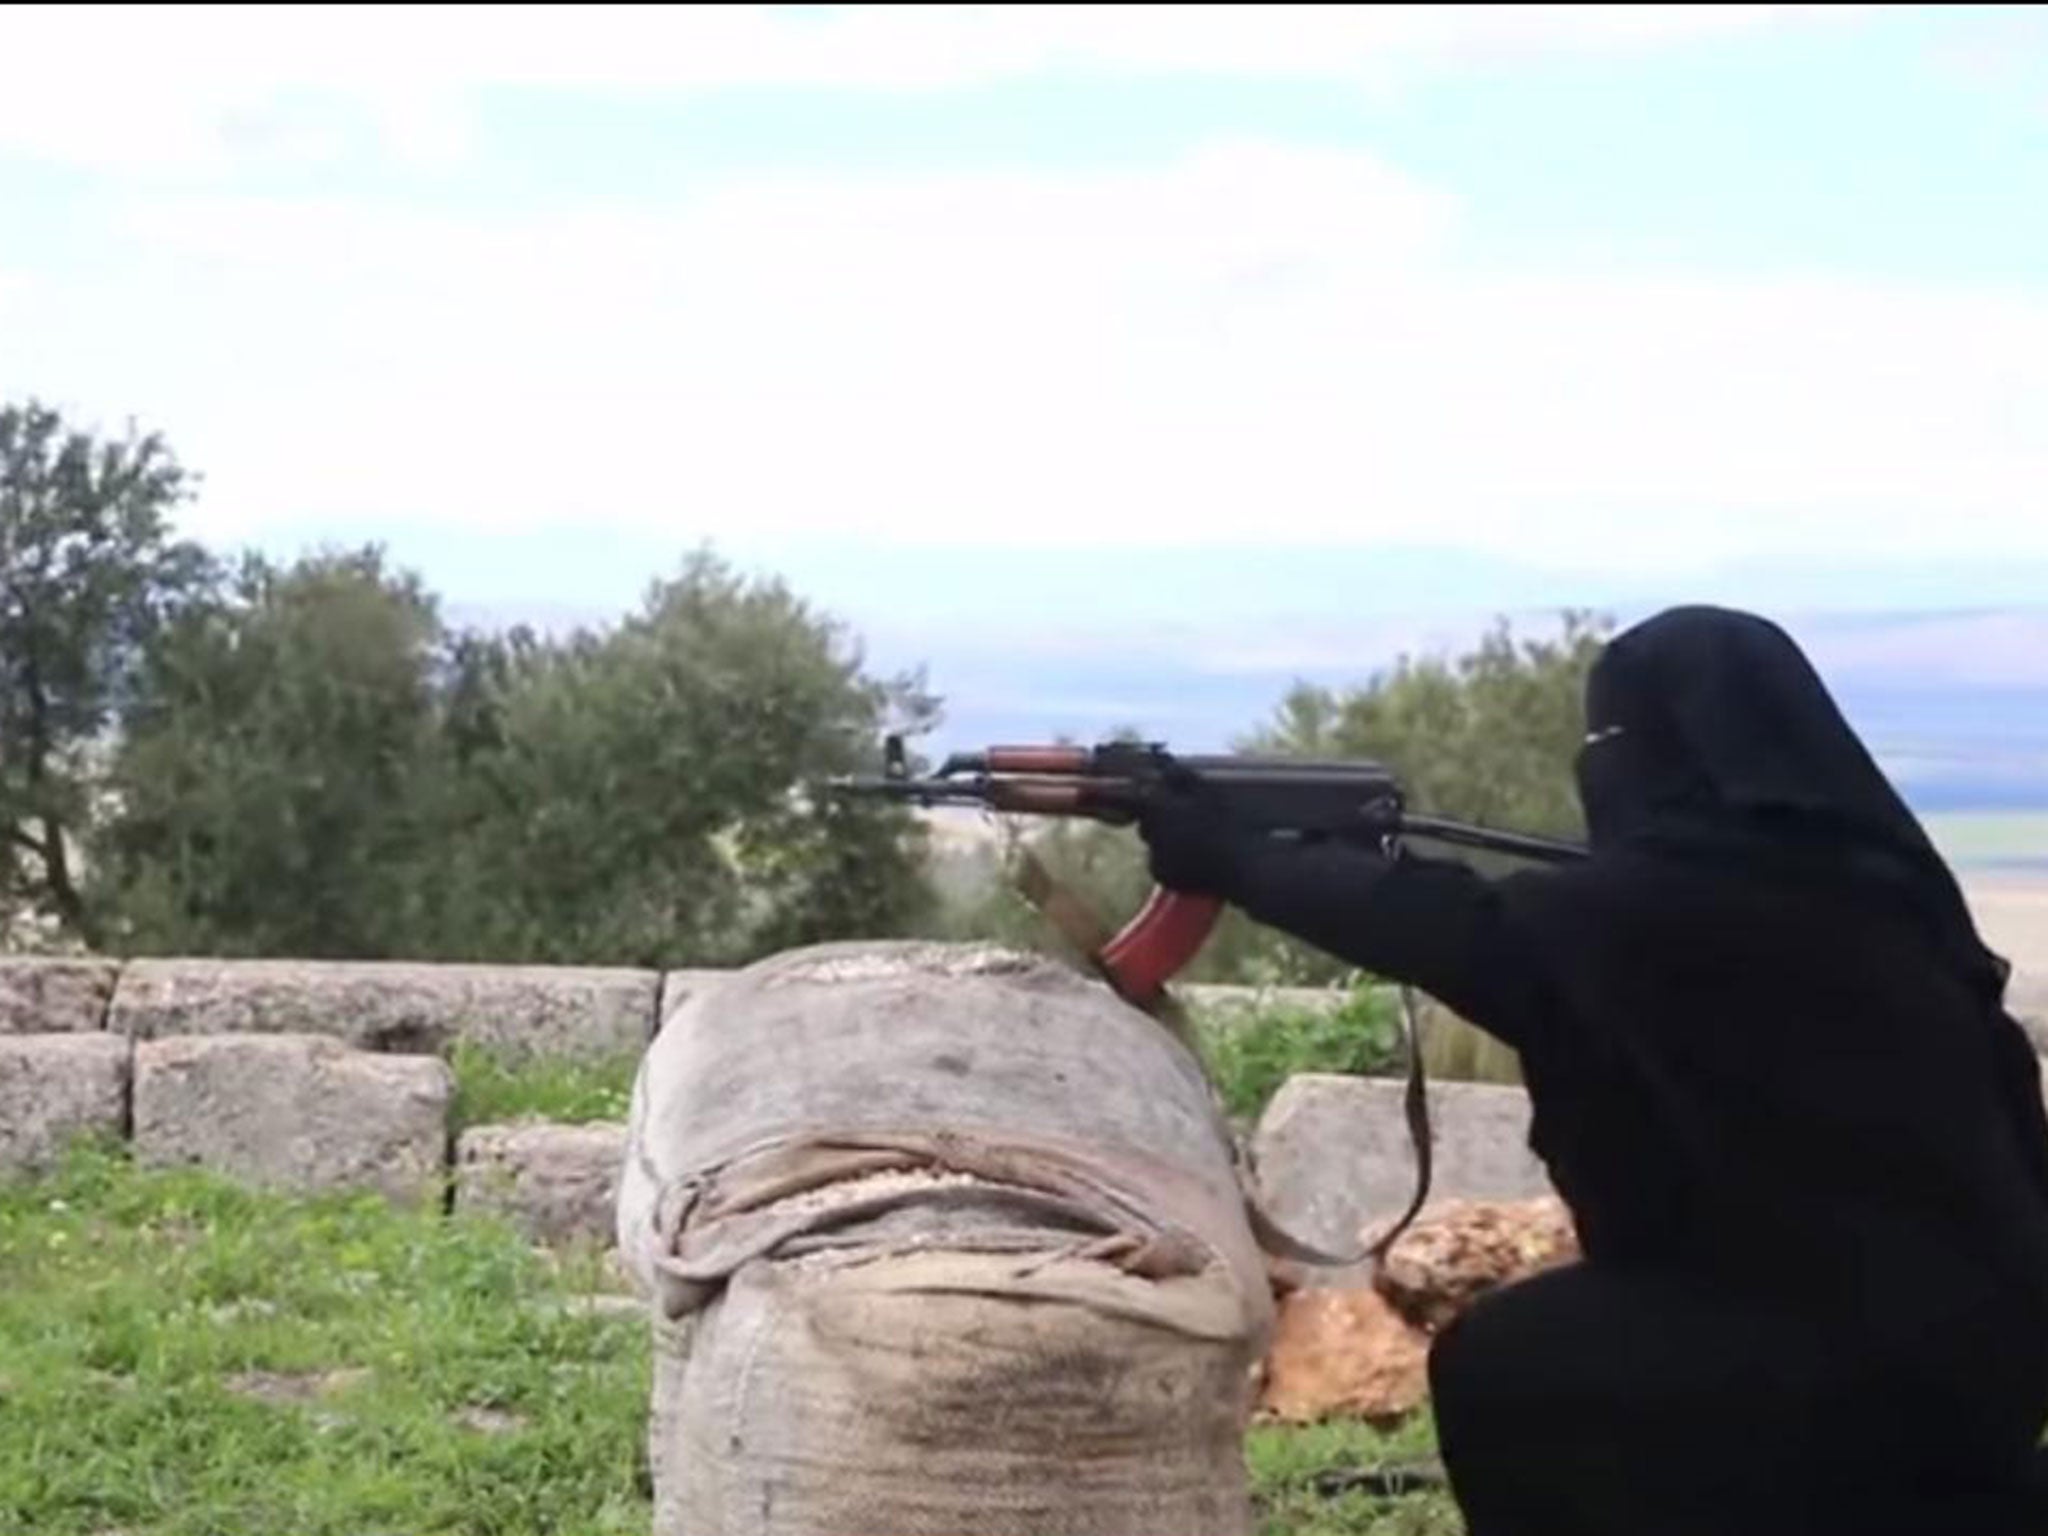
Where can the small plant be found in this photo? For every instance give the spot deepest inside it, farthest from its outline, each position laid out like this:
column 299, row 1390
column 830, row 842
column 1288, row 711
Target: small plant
column 1250, row 1057
column 492, row 1086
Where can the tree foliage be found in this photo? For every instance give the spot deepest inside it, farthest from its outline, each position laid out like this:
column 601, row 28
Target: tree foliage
column 1487, row 736
column 272, row 782
column 324, row 769
column 90, row 574
column 647, row 793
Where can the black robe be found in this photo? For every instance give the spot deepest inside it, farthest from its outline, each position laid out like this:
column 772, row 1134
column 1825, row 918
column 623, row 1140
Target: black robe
column 1803, row 1144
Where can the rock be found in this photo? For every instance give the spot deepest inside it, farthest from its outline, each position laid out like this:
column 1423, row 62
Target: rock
column 1332, row 1152
column 555, row 1182
column 41, row 996
column 678, row 987
column 1458, row 1251
column 1364, row 1352
column 1343, row 1354
column 55, row 1087
column 294, row 1112
column 399, row 1008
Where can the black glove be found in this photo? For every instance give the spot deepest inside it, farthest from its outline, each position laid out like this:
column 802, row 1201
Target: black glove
column 1194, row 845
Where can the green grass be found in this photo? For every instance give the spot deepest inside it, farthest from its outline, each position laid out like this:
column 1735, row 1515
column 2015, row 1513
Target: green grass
column 182, row 1358
column 179, row 1357
column 1285, row 1464
column 494, row 1086
column 1250, row 1057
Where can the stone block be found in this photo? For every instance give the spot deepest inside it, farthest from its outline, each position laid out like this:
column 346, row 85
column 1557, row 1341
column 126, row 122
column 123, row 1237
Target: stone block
column 555, row 1182
column 678, row 987
column 400, row 1008
column 294, row 1112
column 1333, row 1156
column 55, row 1087
column 40, row 996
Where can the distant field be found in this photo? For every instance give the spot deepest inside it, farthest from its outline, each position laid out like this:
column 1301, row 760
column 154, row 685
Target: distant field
column 1991, row 839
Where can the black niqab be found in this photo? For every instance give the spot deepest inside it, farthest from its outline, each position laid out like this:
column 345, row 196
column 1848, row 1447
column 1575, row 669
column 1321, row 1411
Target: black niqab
column 1709, row 730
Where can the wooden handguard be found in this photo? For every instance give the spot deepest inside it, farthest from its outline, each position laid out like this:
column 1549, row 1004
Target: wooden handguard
column 1038, row 759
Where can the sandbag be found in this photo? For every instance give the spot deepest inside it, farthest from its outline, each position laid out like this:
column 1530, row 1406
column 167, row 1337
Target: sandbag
column 939, row 1239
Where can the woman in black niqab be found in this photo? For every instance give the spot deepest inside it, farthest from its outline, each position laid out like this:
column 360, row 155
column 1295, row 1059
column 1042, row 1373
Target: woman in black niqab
column 1772, row 1076
column 1707, row 727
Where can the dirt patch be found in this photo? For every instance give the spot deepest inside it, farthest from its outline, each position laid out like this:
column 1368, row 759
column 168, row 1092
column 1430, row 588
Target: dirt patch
column 293, row 1387
column 490, row 1421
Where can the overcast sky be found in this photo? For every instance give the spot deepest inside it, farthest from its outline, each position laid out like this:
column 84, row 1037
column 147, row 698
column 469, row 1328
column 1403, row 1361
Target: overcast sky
column 1394, row 307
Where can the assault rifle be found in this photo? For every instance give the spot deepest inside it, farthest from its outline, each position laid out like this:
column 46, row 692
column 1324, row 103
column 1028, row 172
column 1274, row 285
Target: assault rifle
column 1356, row 801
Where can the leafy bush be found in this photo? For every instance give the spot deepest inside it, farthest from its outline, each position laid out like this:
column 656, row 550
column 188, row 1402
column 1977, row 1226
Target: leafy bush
column 1250, row 1057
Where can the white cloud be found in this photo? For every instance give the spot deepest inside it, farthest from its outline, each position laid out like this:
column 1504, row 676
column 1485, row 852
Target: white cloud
column 1259, row 343
column 206, row 87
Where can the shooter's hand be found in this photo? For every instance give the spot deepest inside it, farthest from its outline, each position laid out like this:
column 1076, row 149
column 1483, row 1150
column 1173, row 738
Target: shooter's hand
column 1193, row 843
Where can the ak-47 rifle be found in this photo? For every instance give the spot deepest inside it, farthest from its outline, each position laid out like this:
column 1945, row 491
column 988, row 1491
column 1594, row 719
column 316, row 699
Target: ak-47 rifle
column 1283, row 797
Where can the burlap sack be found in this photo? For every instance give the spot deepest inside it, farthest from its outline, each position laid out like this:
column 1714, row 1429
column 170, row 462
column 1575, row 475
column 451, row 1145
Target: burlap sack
column 941, row 1240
